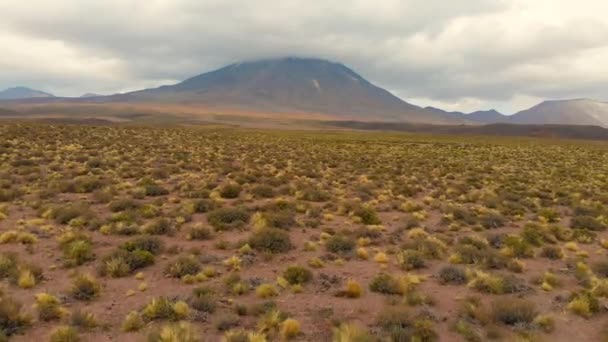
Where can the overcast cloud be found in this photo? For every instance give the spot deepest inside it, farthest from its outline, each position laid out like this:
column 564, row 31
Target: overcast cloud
column 458, row 55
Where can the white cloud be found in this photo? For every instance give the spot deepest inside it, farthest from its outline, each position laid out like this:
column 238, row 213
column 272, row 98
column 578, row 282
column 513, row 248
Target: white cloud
column 462, row 54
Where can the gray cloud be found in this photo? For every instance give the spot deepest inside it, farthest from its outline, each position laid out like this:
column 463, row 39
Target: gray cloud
column 459, row 54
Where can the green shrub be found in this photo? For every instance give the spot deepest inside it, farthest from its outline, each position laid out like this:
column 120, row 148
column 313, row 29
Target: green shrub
column 283, row 219
column 158, row 308
column 65, row 334
column 78, row 252
column 386, row 284
column 228, row 218
column 200, row 232
column 122, row 262
column 410, row 259
column 203, row 299
column 133, row 322
column 587, row 222
column 552, row 252
column 452, row 275
column 340, row 244
column 399, row 325
column 584, row 304
column 491, row 220
column 183, row 265
column 122, row 204
column 66, row 213
column 297, row 275
column 263, row 191
column 155, row 190
column 150, row 244
column 83, row 320
column 158, row 227
column 368, row 216
column 270, row 240
column 85, row 287
column 49, row 307
column 175, row 332
column 12, row 319
column 226, row 322
column 230, row 191
column 513, row 311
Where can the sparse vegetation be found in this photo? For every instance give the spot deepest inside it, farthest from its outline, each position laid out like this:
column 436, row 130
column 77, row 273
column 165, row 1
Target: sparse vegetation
column 231, row 225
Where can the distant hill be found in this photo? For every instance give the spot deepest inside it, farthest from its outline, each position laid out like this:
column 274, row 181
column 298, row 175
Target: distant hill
column 488, row 116
column 482, row 116
column 20, row 93
column 89, row 95
column 565, row 112
column 287, row 85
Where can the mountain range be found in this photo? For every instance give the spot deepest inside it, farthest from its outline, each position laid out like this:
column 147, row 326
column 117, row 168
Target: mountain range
column 309, row 86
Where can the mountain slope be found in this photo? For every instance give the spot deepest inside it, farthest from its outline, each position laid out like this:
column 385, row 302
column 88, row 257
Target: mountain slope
column 285, row 85
column 19, row 93
column 487, row 116
column 565, row 112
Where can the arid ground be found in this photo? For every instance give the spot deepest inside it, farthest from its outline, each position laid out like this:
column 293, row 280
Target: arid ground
column 122, row 233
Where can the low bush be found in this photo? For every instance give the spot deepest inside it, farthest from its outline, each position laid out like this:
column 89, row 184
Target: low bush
column 351, row 333
column 123, row 262
column 340, row 244
column 83, row 320
column 155, row 190
column 410, row 259
column 513, row 311
column 122, row 204
column 368, row 216
column 270, row 240
column 163, row 308
column 65, row 334
column 49, row 307
column 175, row 332
column 228, row 218
column 263, row 191
column 230, row 191
column 290, row 328
column 77, row 250
column 266, row 291
column 183, row 265
column 352, row 289
column 85, row 287
column 584, row 304
column 297, row 275
column 150, row 244
column 386, row 284
column 452, row 275
column 13, row 320
column 133, row 322
column 587, row 222
column 199, row 232
column 203, row 299
column 400, row 325
column 159, row 226
column 552, row 252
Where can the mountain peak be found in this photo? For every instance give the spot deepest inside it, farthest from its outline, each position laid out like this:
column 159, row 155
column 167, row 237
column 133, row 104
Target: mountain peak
column 293, row 85
column 20, row 92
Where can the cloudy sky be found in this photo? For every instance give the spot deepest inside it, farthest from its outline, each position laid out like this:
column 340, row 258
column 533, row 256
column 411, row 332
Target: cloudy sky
column 459, row 55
